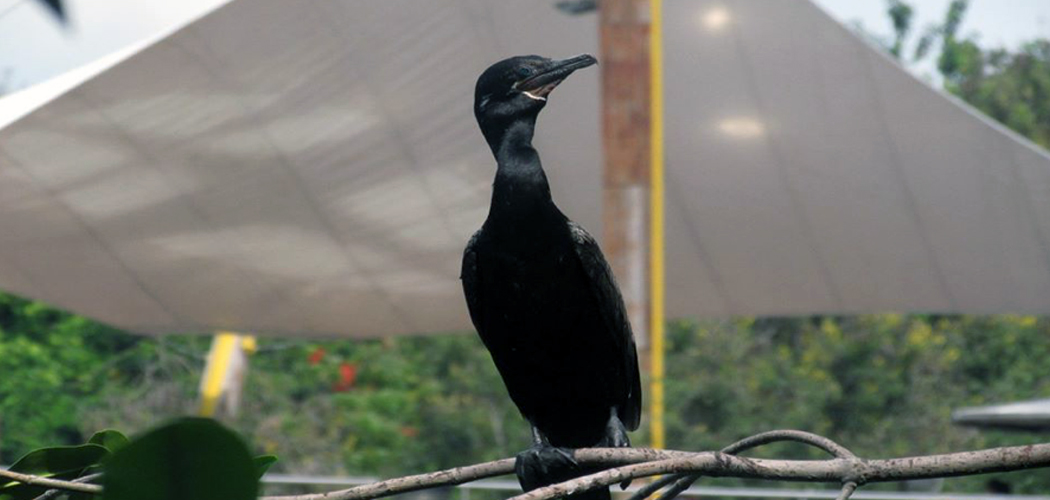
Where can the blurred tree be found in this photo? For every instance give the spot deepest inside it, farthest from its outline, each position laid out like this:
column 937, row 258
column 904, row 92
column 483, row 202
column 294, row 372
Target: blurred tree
column 52, row 365
column 411, row 404
column 885, row 385
column 882, row 384
column 416, row 404
column 1013, row 87
column 901, row 15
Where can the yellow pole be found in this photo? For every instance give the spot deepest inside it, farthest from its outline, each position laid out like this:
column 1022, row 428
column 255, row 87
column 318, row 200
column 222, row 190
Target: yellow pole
column 656, row 223
column 215, row 371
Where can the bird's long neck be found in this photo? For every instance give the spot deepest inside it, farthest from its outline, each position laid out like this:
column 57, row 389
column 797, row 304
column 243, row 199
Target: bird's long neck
column 521, row 184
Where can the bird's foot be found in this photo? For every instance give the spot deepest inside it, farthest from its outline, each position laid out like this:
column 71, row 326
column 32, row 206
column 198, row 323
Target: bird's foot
column 616, row 437
column 615, row 434
column 543, row 464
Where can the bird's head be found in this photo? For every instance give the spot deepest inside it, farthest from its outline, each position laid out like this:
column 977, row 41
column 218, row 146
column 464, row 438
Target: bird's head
column 518, row 87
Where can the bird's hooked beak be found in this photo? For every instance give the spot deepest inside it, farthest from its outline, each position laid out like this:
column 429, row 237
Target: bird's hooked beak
column 541, row 84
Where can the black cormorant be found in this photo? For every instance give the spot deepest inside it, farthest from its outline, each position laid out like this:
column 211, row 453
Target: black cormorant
column 540, row 293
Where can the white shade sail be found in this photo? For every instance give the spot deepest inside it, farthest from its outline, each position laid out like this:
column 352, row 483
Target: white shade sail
column 313, row 168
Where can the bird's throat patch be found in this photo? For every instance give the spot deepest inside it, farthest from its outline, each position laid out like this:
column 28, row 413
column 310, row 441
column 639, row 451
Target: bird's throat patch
column 534, row 97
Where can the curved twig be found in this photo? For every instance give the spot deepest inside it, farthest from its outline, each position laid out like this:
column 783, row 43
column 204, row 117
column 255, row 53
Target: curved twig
column 847, row 489
column 832, row 448
column 682, row 482
column 50, row 483
column 655, row 486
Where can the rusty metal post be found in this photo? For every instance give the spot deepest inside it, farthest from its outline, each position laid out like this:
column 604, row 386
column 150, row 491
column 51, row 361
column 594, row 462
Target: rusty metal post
column 624, row 31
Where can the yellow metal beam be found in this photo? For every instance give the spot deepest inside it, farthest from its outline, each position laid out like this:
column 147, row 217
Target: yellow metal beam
column 218, row 363
column 656, row 224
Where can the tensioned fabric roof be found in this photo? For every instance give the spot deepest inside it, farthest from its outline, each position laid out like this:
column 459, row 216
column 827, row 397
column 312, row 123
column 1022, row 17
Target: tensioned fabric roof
column 313, row 167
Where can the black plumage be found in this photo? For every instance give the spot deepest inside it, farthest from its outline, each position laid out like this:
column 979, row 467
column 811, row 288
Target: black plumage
column 540, row 293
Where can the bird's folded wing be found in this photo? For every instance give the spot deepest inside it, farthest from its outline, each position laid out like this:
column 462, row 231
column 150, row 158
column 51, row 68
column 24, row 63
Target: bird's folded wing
column 614, row 314
column 469, row 276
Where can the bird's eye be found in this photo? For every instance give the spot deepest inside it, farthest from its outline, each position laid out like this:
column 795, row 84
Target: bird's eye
column 525, row 71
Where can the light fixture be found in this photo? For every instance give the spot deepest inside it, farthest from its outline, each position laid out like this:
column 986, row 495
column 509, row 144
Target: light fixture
column 716, row 18
column 742, row 127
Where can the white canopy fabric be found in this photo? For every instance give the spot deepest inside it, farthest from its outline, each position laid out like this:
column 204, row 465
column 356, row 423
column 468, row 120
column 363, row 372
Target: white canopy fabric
column 313, row 168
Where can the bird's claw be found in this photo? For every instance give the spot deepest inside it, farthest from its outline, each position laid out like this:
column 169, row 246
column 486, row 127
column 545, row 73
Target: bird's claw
column 568, row 455
column 616, row 437
column 537, row 465
column 618, row 440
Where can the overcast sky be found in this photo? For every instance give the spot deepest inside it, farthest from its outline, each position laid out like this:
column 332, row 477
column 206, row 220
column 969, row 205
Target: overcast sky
column 997, row 22
column 33, row 48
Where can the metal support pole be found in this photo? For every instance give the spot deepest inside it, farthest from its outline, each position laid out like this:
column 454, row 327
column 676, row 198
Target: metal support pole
column 223, row 377
column 656, row 224
column 629, row 132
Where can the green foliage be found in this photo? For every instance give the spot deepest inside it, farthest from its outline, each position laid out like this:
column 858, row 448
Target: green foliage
column 262, row 464
column 60, row 462
column 901, row 15
column 60, row 459
column 110, row 439
column 415, row 404
column 65, row 462
column 884, row 385
column 1013, row 87
column 190, row 458
column 60, row 360
column 187, row 458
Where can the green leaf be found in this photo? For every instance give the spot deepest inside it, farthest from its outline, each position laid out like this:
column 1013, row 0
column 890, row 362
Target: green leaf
column 61, row 462
column 263, row 463
column 60, row 459
column 189, row 458
column 110, row 439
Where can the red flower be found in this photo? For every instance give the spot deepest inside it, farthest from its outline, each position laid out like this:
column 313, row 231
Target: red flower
column 347, row 376
column 316, row 356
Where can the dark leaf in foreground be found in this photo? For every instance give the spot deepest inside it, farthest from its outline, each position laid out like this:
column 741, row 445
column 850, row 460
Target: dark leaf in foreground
column 60, row 462
column 189, row 458
column 110, row 439
column 263, row 463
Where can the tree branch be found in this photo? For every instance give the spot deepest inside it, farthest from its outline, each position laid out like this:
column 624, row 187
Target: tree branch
column 843, row 470
column 52, row 493
column 633, row 463
column 458, row 475
column 50, row 483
